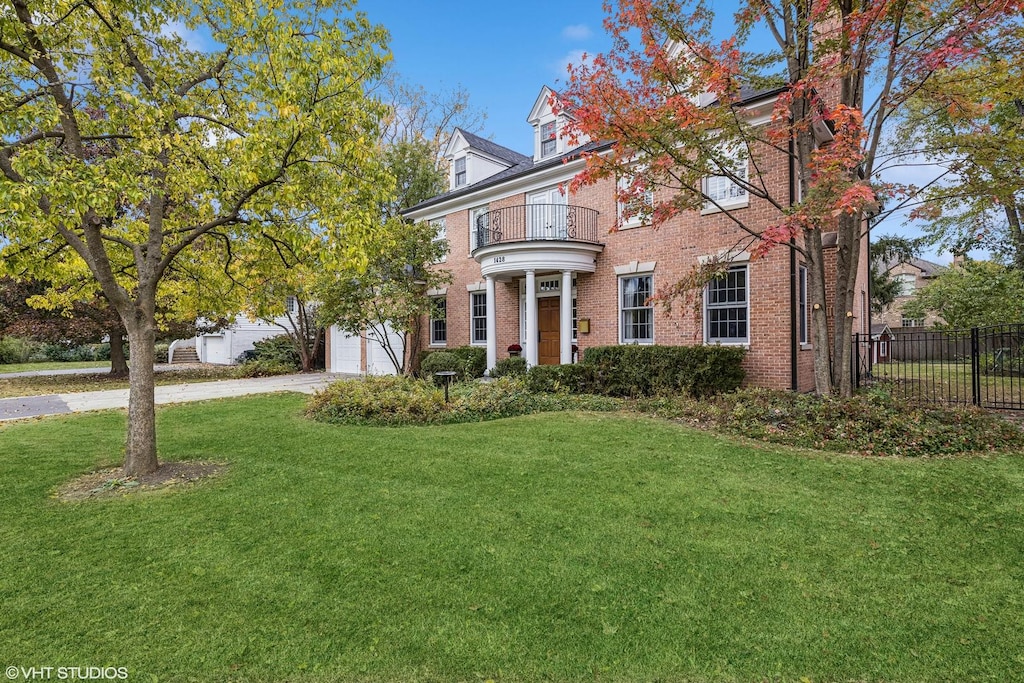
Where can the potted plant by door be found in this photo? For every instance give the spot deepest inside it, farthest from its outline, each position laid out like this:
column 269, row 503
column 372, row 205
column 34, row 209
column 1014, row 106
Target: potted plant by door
column 514, row 350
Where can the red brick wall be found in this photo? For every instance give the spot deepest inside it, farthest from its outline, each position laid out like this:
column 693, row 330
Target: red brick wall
column 676, row 248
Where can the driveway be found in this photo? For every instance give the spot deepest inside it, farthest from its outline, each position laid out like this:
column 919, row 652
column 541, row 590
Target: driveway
column 60, row 404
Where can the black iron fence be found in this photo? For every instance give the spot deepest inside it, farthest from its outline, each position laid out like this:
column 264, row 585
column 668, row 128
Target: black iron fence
column 982, row 366
column 530, row 222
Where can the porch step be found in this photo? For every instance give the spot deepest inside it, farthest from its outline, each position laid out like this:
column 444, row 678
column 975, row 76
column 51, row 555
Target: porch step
column 185, row 354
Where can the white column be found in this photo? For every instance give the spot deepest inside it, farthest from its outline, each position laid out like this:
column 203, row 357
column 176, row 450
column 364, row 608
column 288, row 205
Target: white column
column 492, row 326
column 531, row 319
column 565, row 319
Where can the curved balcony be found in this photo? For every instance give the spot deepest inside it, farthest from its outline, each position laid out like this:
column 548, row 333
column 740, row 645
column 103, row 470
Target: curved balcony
column 541, row 238
column 532, row 222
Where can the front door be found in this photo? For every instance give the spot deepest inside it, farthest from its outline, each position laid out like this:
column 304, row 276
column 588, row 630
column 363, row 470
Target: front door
column 549, row 351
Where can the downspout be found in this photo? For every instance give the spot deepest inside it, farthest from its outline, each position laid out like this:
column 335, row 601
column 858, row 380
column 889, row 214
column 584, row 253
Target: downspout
column 794, row 374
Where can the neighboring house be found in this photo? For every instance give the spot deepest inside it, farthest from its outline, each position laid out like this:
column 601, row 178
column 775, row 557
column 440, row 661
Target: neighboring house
column 913, row 274
column 224, row 346
column 536, row 267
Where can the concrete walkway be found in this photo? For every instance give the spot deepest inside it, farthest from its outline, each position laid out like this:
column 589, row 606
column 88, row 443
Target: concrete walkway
column 60, row 404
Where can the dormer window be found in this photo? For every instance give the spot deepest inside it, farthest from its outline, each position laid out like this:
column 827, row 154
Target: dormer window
column 548, row 140
column 460, row 171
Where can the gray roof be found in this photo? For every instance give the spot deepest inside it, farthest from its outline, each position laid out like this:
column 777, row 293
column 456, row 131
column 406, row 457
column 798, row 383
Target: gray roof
column 927, row 268
column 523, row 165
column 494, row 149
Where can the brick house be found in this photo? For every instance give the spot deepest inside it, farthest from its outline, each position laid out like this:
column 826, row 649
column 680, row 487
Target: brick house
column 912, row 274
column 535, row 267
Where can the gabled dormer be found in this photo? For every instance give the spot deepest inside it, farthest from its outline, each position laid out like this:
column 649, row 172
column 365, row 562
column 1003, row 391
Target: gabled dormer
column 471, row 159
column 549, row 138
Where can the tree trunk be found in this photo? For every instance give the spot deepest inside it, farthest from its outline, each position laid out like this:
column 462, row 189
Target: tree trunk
column 847, row 266
column 1013, row 215
column 118, row 363
column 819, row 316
column 140, row 450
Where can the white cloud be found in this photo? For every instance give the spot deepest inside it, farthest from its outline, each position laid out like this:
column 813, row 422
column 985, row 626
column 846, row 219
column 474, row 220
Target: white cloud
column 577, row 32
column 575, row 57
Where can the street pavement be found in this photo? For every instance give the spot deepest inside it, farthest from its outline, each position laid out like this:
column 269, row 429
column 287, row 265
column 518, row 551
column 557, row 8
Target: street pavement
column 59, row 404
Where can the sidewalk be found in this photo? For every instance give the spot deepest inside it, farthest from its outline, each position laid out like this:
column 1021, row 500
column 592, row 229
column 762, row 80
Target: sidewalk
column 60, row 404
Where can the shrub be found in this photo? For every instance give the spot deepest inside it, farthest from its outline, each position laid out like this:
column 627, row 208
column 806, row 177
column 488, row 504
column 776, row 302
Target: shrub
column 467, row 362
column 872, row 423
column 439, row 361
column 651, row 370
column 160, row 352
column 16, row 350
column 279, row 349
column 263, row 368
column 576, row 379
column 472, row 361
column 509, row 367
column 389, row 401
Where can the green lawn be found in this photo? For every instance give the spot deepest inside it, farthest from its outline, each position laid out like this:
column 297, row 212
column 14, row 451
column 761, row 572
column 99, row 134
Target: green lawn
column 551, row 547
column 53, row 365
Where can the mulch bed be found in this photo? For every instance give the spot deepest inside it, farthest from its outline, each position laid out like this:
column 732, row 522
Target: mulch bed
column 113, row 484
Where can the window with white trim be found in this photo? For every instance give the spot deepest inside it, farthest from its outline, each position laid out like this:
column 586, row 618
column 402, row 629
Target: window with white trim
column 636, row 314
column 911, row 322
column 548, row 139
column 291, row 304
column 460, row 172
column 908, row 283
column 633, row 211
column 478, row 317
column 438, row 321
column 726, row 309
column 479, row 224
column 723, row 190
column 802, row 304
column 440, row 234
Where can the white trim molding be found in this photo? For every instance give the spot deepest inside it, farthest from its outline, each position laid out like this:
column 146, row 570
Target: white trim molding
column 634, row 267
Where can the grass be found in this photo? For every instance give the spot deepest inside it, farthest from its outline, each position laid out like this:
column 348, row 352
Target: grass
column 548, row 547
column 949, row 382
column 53, row 365
column 53, row 384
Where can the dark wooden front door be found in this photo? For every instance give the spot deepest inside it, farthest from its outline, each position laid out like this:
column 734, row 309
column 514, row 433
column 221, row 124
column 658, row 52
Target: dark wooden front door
column 549, row 352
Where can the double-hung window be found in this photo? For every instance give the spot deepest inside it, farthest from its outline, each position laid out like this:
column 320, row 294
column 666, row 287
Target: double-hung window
column 728, row 189
column 548, row 140
column 440, row 235
column 439, row 321
column 634, row 204
column 802, row 304
column 636, row 314
column 460, row 171
column 726, row 307
column 478, row 317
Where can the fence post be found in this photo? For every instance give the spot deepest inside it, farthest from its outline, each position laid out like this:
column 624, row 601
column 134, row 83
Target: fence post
column 975, row 367
column 856, row 360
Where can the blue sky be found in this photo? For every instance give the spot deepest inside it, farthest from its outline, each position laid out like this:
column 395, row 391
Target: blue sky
column 501, row 52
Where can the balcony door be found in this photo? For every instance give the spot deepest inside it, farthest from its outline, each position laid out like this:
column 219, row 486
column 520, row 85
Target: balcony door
column 545, row 215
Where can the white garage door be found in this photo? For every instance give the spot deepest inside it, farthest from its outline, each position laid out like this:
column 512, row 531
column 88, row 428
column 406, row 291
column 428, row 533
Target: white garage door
column 377, row 360
column 216, row 350
column 346, row 352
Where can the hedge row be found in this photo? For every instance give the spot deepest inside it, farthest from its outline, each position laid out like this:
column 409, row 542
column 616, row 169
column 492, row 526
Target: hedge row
column 19, row 350
column 635, row 371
